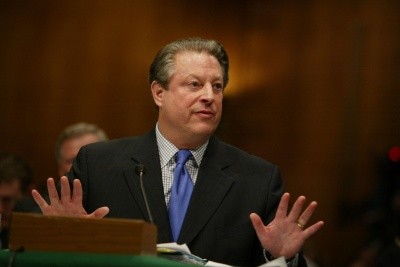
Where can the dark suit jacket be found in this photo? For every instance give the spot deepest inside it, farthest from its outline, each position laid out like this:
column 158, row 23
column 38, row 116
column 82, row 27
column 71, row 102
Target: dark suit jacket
column 230, row 185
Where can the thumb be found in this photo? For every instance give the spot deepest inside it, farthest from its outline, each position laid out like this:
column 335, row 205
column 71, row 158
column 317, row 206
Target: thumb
column 100, row 213
column 257, row 223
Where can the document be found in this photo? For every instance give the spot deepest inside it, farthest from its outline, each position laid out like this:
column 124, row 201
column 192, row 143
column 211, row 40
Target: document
column 182, row 253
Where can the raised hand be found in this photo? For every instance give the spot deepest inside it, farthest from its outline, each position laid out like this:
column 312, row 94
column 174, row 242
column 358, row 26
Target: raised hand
column 68, row 204
column 285, row 235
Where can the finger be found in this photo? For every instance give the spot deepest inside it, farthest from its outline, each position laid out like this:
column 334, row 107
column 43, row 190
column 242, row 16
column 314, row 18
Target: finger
column 257, row 222
column 77, row 193
column 53, row 194
column 309, row 231
column 306, row 215
column 281, row 212
column 39, row 200
column 65, row 190
column 296, row 209
column 99, row 213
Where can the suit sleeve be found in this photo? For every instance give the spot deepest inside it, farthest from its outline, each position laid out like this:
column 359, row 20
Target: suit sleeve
column 79, row 171
column 274, row 196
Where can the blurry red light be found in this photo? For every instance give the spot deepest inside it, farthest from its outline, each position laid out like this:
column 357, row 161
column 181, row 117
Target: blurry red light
column 394, row 153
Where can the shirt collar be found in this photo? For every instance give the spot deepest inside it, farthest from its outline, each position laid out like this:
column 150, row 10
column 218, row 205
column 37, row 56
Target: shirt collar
column 167, row 150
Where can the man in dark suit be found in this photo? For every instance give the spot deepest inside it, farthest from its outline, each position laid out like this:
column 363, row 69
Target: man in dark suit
column 187, row 80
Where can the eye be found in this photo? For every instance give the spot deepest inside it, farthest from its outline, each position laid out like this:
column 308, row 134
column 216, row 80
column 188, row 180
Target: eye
column 194, row 84
column 218, row 86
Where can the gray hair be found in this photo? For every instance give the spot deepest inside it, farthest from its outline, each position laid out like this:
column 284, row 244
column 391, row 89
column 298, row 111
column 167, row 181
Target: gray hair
column 78, row 130
column 161, row 69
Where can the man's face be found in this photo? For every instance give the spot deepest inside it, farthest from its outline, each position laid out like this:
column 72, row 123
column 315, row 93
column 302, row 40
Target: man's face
column 10, row 192
column 190, row 110
column 69, row 150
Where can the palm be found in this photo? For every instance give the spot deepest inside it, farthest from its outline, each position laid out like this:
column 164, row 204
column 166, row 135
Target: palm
column 283, row 236
column 67, row 204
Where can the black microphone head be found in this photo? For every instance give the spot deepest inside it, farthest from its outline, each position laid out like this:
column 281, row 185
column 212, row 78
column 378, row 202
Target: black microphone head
column 140, row 169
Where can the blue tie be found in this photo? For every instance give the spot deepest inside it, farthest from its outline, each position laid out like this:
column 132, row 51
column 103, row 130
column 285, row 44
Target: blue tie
column 181, row 190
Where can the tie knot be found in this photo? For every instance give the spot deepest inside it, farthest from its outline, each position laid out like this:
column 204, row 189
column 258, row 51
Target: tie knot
column 182, row 156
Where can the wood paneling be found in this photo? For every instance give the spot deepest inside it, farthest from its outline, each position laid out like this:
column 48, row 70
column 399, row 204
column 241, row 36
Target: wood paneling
column 314, row 86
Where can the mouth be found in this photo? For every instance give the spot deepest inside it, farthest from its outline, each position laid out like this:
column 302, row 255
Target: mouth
column 205, row 113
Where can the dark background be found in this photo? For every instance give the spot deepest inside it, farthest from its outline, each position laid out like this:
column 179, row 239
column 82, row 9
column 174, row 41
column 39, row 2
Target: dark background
column 315, row 88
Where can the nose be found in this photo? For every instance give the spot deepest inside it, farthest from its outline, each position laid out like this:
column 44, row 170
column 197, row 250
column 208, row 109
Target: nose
column 208, row 93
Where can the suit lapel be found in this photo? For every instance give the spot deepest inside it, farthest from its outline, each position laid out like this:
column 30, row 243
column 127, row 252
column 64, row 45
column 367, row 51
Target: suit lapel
column 146, row 152
column 211, row 188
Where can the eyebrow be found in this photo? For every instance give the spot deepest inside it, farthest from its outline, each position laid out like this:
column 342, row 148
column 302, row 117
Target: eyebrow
column 219, row 78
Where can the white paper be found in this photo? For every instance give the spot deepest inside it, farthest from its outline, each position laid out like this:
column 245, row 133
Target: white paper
column 278, row 262
column 216, row 264
column 175, row 246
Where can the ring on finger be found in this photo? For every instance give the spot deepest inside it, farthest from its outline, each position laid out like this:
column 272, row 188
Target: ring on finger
column 300, row 225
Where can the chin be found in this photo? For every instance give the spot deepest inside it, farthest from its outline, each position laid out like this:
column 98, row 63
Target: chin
column 205, row 131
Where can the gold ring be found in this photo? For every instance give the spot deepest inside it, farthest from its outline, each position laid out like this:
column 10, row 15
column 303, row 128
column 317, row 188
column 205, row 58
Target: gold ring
column 299, row 224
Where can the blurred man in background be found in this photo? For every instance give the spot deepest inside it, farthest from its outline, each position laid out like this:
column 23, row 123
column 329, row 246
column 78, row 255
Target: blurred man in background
column 68, row 143
column 15, row 182
column 71, row 139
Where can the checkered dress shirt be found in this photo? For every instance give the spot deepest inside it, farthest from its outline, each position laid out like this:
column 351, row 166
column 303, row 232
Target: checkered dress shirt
column 167, row 153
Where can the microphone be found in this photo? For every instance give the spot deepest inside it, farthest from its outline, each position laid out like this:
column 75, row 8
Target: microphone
column 141, row 170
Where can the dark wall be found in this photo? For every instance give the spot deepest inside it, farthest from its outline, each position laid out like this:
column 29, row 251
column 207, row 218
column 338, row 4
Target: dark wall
column 314, row 86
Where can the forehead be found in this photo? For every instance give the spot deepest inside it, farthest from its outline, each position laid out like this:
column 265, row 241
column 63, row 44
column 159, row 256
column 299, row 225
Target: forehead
column 189, row 61
column 185, row 56
column 71, row 146
column 82, row 139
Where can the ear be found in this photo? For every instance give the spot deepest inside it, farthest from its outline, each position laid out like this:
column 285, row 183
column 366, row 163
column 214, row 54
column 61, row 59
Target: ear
column 157, row 91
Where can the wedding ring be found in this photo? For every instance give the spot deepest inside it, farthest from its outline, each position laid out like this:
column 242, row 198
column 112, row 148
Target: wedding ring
column 299, row 224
